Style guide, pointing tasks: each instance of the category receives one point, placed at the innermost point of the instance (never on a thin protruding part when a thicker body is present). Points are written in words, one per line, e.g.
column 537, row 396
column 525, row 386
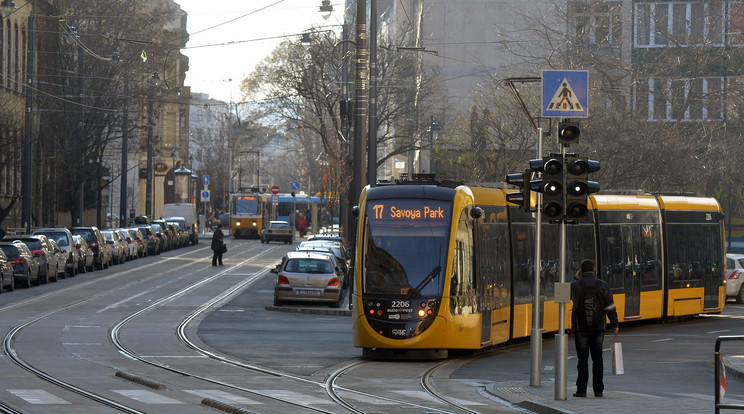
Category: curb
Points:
column 314, row 311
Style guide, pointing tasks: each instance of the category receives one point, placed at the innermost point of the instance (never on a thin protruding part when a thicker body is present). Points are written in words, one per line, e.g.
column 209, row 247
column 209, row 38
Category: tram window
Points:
column 694, row 253
column 650, row 259
column 492, row 250
column 612, row 255
column 522, row 254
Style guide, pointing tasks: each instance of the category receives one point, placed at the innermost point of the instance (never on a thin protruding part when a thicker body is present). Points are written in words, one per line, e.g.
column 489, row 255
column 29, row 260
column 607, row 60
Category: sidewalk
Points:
column 623, row 394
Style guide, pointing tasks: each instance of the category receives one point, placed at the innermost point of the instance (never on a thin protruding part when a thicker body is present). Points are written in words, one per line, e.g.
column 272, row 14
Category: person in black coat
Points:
column 589, row 340
column 217, row 246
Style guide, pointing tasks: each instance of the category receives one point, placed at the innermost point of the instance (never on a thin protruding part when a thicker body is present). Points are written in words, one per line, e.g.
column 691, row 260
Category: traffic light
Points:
column 578, row 186
column 551, row 185
column 568, row 132
column 522, row 198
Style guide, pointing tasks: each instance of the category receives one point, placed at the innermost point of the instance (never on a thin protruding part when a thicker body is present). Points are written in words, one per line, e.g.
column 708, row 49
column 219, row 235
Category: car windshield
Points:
column 279, row 225
column 404, row 241
column 308, row 266
column 57, row 236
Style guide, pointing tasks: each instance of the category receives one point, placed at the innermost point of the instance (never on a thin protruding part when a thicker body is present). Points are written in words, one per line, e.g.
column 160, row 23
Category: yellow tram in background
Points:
column 451, row 266
column 250, row 212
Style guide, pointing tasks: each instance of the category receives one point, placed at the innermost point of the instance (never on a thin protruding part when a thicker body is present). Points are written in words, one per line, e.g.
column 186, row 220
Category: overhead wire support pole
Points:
column 536, row 337
column 372, row 133
column 29, row 125
column 360, row 112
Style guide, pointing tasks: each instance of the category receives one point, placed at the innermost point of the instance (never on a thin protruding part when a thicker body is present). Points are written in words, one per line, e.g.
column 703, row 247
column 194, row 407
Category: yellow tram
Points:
column 250, row 213
column 451, row 266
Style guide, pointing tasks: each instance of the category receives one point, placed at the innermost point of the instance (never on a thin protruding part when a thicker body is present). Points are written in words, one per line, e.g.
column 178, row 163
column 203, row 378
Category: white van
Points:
column 185, row 212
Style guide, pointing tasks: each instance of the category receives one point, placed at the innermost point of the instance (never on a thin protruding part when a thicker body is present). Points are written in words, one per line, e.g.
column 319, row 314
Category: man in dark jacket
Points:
column 589, row 340
column 217, row 243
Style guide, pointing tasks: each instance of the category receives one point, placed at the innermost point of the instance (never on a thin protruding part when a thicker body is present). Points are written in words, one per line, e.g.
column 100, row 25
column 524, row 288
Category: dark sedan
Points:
column 25, row 266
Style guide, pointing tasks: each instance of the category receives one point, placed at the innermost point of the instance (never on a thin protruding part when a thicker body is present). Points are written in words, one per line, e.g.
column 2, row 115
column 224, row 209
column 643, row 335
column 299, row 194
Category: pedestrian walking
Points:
column 218, row 246
column 301, row 224
column 592, row 304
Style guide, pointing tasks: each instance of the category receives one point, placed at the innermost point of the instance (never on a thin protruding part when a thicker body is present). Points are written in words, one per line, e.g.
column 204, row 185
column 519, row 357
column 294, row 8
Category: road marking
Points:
column 663, row 340
column 426, row 396
column 222, row 396
column 296, row 397
column 116, row 305
column 147, row 397
column 37, row 397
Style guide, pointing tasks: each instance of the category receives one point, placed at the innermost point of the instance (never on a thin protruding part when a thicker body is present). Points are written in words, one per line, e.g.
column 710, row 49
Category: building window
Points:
column 600, row 24
column 682, row 23
column 661, row 99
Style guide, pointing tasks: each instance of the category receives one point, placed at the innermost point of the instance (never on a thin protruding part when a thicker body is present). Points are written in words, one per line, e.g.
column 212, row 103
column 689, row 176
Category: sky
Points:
column 255, row 26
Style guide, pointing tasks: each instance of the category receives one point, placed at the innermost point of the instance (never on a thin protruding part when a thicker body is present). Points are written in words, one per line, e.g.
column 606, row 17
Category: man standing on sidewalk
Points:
column 592, row 303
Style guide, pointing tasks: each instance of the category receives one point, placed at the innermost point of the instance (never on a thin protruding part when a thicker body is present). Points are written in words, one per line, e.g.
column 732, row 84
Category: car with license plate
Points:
column 308, row 277
column 138, row 238
column 334, row 249
column 7, row 274
column 97, row 244
column 42, row 251
column 87, row 256
column 151, row 240
column 119, row 249
column 60, row 258
column 63, row 237
column 130, row 243
column 25, row 266
column 735, row 276
column 278, row 231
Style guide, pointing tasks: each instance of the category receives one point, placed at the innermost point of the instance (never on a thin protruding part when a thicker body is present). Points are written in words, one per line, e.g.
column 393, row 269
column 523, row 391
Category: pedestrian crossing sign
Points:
column 565, row 93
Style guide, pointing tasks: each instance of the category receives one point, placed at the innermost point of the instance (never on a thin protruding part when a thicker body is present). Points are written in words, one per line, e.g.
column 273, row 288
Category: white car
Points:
column 734, row 276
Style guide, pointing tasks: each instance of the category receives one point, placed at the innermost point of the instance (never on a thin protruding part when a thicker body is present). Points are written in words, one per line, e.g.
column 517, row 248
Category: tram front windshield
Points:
column 245, row 205
column 405, row 247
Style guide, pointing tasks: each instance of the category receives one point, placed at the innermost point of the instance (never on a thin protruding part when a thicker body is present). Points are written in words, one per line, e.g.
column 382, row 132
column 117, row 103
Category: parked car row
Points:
column 48, row 254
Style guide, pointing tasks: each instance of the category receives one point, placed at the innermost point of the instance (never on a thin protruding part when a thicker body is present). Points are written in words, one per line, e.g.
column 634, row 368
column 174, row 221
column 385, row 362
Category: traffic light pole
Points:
column 536, row 337
column 561, row 339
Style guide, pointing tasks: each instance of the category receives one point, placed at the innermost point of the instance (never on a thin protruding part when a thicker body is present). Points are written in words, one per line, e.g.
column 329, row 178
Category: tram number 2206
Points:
column 400, row 304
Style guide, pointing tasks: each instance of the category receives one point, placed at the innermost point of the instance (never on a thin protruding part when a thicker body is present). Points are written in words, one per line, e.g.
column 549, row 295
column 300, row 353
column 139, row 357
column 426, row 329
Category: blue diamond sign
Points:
column 565, row 93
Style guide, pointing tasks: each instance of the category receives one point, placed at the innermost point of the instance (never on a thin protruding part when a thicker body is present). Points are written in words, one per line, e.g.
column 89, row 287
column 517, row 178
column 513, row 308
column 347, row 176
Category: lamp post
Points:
column 154, row 81
column 29, row 124
column 173, row 169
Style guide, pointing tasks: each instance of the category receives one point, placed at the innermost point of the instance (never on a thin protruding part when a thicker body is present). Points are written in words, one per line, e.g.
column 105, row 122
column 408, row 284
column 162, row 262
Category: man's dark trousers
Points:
column 589, row 342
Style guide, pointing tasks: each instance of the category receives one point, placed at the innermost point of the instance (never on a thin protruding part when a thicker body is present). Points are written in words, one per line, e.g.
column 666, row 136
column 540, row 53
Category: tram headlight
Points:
column 254, row 224
column 421, row 313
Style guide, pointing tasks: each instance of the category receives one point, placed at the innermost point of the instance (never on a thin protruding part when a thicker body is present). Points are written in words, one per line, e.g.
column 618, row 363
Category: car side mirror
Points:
column 275, row 270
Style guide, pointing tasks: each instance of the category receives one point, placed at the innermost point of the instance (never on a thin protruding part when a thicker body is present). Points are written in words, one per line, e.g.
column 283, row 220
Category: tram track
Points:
column 336, row 393
column 14, row 356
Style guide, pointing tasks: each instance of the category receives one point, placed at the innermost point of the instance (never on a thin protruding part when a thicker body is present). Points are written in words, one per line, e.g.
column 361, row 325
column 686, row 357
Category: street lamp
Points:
column 173, row 169
column 29, row 124
column 154, row 81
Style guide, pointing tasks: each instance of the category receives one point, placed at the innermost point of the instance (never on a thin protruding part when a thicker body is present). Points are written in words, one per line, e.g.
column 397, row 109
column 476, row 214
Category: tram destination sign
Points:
column 397, row 212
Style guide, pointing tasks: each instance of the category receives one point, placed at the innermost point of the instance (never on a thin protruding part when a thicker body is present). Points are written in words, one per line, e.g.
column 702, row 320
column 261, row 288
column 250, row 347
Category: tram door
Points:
column 621, row 264
column 632, row 275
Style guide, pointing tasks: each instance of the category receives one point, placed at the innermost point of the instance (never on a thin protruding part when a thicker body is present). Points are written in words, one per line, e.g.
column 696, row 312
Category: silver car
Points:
column 63, row 237
column 87, row 256
column 60, row 257
column 119, row 247
column 308, row 277
column 735, row 276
